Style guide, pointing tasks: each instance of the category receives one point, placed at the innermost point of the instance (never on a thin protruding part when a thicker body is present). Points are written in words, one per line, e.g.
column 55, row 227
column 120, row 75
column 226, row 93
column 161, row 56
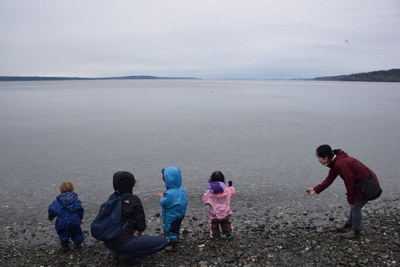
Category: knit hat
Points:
column 216, row 187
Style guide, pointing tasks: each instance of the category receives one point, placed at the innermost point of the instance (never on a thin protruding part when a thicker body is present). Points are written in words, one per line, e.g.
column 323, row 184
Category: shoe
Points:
column 78, row 249
column 229, row 237
column 215, row 238
column 344, row 229
column 352, row 234
column 172, row 248
column 124, row 259
column 65, row 249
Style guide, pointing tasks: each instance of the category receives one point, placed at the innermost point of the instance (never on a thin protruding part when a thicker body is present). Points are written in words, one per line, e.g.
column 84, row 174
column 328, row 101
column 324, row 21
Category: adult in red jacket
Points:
column 352, row 171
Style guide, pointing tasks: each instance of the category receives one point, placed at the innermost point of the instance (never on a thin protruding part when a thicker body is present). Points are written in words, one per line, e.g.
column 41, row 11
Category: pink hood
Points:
column 219, row 204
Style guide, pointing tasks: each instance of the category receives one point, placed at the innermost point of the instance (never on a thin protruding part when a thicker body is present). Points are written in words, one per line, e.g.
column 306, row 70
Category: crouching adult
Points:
column 132, row 244
column 361, row 185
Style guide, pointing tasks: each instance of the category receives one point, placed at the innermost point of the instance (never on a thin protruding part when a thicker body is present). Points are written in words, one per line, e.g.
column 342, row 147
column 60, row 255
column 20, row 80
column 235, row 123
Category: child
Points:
column 218, row 198
column 69, row 212
column 173, row 203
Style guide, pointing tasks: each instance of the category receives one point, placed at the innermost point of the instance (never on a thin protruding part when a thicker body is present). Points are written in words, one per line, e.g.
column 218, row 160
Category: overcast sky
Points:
column 202, row 38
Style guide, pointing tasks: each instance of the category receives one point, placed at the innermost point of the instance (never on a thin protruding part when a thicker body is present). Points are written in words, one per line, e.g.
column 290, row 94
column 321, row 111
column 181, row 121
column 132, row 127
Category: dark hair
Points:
column 217, row 177
column 325, row 151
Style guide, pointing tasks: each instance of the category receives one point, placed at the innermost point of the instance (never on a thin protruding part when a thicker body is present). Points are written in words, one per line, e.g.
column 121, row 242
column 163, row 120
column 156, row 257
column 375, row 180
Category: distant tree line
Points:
column 392, row 75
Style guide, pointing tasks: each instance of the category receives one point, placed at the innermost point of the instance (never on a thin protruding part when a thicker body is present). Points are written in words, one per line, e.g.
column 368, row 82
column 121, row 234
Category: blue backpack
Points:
column 107, row 225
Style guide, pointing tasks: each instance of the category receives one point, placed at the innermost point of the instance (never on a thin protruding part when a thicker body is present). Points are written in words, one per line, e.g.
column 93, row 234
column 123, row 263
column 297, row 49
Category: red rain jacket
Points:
column 351, row 171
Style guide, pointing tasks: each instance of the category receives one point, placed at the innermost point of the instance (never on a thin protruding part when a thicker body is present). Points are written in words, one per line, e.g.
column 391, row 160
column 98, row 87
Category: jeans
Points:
column 72, row 231
column 141, row 246
column 355, row 216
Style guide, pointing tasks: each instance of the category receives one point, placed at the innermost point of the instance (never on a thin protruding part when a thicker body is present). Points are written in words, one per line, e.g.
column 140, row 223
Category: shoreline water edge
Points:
column 263, row 237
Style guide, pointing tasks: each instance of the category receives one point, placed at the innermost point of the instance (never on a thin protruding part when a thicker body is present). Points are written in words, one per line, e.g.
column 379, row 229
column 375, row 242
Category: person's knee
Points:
column 162, row 243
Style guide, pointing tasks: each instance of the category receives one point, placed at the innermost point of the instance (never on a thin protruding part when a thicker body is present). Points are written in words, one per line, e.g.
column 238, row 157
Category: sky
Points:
column 211, row 39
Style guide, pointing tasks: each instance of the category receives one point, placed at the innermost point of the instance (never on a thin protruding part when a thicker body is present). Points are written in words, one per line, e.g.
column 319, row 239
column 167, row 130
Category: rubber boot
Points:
column 344, row 229
column 172, row 247
column 352, row 234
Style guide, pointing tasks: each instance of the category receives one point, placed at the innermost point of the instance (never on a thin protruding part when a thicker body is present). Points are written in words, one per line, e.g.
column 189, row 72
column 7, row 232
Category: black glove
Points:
column 230, row 183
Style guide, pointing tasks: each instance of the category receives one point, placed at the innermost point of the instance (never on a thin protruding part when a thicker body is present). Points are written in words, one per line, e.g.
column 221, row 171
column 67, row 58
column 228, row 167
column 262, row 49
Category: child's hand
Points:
column 82, row 221
column 230, row 183
column 140, row 233
column 160, row 194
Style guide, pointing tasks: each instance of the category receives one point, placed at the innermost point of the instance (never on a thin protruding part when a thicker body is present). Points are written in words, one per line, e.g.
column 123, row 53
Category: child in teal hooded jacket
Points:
column 173, row 203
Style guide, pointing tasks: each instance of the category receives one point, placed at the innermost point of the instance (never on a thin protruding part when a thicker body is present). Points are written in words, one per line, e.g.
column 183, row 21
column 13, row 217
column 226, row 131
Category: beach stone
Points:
column 253, row 258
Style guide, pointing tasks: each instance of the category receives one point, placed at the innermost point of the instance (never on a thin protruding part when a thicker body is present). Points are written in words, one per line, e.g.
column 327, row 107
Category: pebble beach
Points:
column 266, row 237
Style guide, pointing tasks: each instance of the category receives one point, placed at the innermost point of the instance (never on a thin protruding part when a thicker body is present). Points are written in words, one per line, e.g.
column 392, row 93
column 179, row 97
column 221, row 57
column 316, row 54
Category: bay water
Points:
column 261, row 134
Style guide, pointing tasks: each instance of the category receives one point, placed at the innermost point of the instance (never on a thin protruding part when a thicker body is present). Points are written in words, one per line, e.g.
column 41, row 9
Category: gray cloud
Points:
column 208, row 38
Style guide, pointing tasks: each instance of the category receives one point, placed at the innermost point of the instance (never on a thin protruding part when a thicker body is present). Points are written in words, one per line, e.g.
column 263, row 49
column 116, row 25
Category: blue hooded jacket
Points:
column 174, row 202
column 68, row 210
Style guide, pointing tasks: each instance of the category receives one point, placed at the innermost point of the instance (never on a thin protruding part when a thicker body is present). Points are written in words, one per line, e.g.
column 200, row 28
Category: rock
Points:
column 185, row 231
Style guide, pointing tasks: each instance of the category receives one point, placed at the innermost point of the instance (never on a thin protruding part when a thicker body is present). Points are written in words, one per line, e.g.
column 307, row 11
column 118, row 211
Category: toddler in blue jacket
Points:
column 173, row 202
column 69, row 212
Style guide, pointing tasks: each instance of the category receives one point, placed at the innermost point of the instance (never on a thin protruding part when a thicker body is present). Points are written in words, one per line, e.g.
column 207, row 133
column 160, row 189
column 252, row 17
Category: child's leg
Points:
column 76, row 235
column 174, row 230
column 215, row 232
column 226, row 226
column 63, row 234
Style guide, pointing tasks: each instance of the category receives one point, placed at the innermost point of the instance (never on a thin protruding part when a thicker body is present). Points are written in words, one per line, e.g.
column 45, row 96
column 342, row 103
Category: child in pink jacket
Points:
column 218, row 198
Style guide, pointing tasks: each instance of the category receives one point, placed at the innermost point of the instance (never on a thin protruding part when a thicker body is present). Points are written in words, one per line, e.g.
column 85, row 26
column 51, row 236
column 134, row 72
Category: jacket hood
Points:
column 69, row 200
column 216, row 187
column 172, row 177
column 340, row 154
column 123, row 182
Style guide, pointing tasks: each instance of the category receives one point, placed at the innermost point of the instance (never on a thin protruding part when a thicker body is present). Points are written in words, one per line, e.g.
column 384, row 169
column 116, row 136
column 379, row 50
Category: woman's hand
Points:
column 311, row 191
column 160, row 194
column 140, row 233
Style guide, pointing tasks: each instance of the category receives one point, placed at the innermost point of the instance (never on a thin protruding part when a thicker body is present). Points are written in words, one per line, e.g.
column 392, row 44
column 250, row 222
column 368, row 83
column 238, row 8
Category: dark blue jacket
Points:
column 68, row 210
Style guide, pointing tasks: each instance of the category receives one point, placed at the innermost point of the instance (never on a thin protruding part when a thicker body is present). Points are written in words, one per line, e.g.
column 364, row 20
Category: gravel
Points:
column 268, row 237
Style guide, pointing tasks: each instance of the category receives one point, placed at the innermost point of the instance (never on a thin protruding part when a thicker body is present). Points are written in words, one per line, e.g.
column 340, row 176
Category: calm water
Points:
column 261, row 134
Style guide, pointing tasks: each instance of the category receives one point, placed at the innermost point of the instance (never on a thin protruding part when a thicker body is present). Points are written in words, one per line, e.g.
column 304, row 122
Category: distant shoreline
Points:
column 44, row 78
column 392, row 75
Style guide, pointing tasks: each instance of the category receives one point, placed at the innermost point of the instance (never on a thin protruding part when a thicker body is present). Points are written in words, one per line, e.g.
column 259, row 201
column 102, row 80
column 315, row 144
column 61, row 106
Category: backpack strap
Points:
column 122, row 196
